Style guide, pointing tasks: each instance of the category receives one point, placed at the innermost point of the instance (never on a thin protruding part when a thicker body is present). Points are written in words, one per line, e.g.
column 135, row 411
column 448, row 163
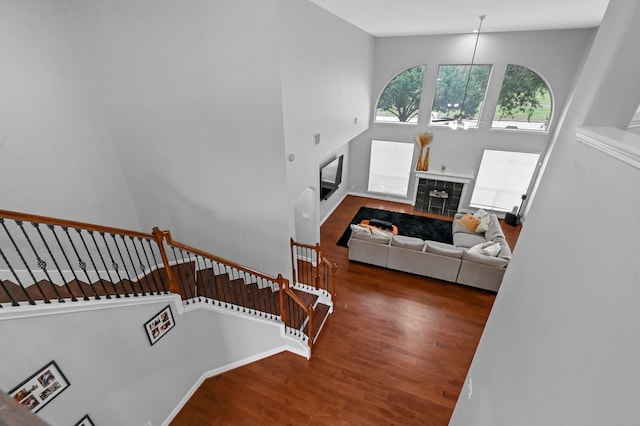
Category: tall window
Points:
column 390, row 167
column 450, row 100
column 524, row 102
column 502, row 179
column 400, row 100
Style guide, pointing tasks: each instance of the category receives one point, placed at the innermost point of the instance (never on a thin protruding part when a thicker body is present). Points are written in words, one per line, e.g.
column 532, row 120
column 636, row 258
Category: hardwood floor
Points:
column 395, row 351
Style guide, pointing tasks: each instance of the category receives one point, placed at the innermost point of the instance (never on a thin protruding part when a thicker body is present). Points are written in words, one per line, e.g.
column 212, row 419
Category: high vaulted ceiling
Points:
column 384, row 18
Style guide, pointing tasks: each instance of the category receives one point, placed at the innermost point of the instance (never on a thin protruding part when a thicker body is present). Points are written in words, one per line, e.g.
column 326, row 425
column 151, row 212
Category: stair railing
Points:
column 312, row 268
column 46, row 259
column 207, row 278
column 211, row 279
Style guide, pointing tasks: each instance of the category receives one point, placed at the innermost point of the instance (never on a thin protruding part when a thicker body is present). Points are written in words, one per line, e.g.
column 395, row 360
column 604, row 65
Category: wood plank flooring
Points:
column 394, row 352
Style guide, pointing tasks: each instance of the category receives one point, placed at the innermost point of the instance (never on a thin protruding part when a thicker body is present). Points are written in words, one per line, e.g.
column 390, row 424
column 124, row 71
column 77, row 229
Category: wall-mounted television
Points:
column 330, row 177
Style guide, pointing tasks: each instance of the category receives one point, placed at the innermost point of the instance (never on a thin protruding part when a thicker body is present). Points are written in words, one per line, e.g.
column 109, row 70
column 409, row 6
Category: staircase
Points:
column 45, row 260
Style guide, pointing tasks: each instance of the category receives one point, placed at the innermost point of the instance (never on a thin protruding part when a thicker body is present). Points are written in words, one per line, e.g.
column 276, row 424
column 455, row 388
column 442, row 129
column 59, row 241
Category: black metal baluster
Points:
column 199, row 282
column 35, row 281
column 155, row 260
column 84, row 243
column 143, row 268
column 124, row 264
column 248, row 285
column 73, row 272
column 187, row 262
column 142, row 292
column 212, row 281
column 187, row 297
column 95, row 243
column 115, row 267
column 153, row 276
column 14, row 302
column 40, row 263
column 55, row 262
column 81, row 264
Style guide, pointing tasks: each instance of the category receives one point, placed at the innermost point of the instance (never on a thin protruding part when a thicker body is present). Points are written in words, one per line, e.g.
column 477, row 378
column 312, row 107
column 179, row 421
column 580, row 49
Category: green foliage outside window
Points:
column 449, row 96
column 524, row 97
column 401, row 97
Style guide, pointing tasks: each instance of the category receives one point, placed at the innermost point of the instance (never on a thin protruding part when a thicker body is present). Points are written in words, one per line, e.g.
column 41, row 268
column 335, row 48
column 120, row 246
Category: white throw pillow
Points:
column 483, row 226
column 491, row 250
column 480, row 213
column 480, row 246
column 358, row 228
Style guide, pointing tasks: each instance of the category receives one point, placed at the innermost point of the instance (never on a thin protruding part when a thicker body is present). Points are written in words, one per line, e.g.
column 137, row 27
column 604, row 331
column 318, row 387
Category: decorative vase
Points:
column 425, row 164
column 419, row 163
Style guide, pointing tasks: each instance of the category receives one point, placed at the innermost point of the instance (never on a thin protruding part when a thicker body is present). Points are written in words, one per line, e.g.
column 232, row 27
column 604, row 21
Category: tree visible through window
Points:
column 524, row 102
column 400, row 100
column 450, row 99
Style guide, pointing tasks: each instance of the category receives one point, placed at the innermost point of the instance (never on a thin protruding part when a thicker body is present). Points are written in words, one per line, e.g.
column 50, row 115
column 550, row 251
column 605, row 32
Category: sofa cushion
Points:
column 467, row 240
column 494, row 230
column 469, row 221
column 373, row 238
column 410, row 243
column 443, row 249
column 498, row 262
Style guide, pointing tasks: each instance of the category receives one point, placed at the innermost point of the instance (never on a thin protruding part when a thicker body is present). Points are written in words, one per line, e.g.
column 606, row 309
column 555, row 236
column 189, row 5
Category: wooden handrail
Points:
column 308, row 309
column 71, row 224
column 170, row 241
column 334, row 267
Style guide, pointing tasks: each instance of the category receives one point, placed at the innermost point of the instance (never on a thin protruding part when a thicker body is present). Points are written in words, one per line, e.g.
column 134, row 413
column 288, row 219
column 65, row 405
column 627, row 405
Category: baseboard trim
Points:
column 215, row 372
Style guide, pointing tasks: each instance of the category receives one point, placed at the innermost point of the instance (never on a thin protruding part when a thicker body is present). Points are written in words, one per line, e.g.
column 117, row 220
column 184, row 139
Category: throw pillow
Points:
column 483, row 226
column 359, row 228
column 476, row 249
column 491, row 250
column 480, row 213
column 469, row 221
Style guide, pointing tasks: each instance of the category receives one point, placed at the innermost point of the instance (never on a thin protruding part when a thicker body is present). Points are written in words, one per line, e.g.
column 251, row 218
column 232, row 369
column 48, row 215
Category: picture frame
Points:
column 85, row 421
column 159, row 325
column 40, row 388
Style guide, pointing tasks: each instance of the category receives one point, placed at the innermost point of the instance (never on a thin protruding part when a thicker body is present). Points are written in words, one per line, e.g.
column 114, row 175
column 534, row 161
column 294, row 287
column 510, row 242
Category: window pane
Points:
column 450, row 99
column 502, row 179
column 525, row 101
column 400, row 100
column 389, row 167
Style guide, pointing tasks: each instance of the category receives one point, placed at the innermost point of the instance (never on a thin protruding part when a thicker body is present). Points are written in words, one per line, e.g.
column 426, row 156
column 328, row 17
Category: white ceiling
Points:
column 383, row 18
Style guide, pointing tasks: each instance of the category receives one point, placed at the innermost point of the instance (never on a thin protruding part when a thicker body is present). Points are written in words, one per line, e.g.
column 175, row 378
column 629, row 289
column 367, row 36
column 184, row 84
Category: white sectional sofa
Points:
column 477, row 259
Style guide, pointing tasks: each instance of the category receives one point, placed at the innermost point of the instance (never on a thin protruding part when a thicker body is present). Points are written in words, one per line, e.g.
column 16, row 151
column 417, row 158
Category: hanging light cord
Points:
column 473, row 57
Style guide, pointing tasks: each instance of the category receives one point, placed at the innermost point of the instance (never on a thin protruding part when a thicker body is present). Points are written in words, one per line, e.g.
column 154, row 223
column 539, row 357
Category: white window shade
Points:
column 390, row 167
column 502, row 179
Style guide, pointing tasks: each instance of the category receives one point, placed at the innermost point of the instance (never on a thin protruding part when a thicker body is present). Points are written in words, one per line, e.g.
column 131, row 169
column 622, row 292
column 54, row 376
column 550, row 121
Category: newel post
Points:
column 158, row 235
column 282, row 283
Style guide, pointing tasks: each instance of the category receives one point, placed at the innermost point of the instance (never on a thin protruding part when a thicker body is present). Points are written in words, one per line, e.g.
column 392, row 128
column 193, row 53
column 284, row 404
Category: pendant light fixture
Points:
column 458, row 121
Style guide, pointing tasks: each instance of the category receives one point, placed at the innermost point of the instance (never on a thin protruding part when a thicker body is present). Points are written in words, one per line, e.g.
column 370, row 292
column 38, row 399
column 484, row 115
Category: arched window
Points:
column 400, row 100
column 459, row 92
column 524, row 103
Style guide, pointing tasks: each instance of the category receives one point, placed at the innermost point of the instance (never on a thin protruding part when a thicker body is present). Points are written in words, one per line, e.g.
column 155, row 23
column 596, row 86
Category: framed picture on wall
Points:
column 41, row 388
column 85, row 421
column 159, row 325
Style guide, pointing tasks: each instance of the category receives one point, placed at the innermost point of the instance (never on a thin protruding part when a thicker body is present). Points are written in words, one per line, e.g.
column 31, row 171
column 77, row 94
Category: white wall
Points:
column 560, row 344
column 56, row 148
column 327, row 73
column 192, row 92
column 554, row 55
column 115, row 375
